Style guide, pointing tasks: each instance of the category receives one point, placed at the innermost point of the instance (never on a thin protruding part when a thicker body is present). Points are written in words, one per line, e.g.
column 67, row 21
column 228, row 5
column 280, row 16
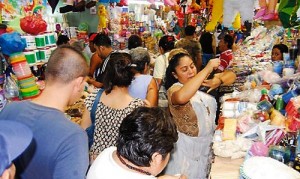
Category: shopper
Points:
column 102, row 44
column 166, row 44
column 95, row 60
column 191, row 45
column 14, row 139
column 193, row 112
column 146, row 139
column 60, row 147
column 277, row 52
column 208, row 45
column 114, row 105
column 134, row 41
column 225, row 48
column 62, row 40
column 143, row 85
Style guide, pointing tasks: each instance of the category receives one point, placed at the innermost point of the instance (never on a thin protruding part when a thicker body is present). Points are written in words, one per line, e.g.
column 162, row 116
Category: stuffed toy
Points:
column 102, row 17
column 266, row 11
column 217, row 13
column 231, row 8
column 287, row 12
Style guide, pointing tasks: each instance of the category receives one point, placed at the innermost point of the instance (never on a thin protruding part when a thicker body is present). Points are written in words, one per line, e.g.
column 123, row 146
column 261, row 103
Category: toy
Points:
column 102, row 17
column 244, row 7
column 217, row 13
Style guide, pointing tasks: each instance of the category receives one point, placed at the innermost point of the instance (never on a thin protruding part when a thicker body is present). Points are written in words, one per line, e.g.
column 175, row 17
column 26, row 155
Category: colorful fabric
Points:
column 287, row 12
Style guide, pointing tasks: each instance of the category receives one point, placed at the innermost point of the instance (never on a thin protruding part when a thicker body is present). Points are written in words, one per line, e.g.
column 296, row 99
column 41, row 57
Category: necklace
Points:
column 131, row 167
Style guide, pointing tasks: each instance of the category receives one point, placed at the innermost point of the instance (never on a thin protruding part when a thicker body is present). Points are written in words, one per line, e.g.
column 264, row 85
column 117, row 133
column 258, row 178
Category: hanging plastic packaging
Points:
column 11, row 89
column 33, row 24
column 12, row 43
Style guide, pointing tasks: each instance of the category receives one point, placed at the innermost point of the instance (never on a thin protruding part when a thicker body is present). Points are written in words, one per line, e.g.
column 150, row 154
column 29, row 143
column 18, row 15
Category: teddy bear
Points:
column 217, row 13
column 102, row 17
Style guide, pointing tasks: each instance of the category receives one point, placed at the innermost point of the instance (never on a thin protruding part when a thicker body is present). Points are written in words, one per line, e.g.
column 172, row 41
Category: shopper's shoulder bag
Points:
column 90, row 130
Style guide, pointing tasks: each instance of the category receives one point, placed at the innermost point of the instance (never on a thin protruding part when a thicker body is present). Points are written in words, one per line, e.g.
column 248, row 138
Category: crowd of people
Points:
column 146, row 125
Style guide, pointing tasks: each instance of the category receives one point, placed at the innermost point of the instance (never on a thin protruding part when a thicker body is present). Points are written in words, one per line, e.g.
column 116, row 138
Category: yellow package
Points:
column 229, row 130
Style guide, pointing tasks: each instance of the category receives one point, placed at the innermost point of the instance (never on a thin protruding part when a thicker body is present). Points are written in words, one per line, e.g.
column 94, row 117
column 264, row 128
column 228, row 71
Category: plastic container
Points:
column 21, row 69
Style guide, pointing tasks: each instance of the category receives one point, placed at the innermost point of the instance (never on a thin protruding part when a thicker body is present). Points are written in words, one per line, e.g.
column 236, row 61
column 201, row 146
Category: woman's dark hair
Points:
column 282, row 48
column 118, row 71
column 173, row 63
column 62, row 39
column 167, row 42
column 134, row 41
column 139, row 57
column 144, row 132
column 206, row 40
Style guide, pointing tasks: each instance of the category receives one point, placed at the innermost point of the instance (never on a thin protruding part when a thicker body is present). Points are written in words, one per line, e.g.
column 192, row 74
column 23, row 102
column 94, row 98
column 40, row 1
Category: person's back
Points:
column 143, row 86
column 139, row 86
column 54, row 137
column 59, row 148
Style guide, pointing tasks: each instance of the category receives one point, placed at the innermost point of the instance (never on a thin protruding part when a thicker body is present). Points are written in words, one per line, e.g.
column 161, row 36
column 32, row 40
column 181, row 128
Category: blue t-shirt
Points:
column 59, row 148
column 139, row 86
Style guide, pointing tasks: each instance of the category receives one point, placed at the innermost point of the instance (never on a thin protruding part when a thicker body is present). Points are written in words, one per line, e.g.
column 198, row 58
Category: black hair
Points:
column 62, row 39
column 134, row 41
column 118, row 71
column 189, row 30
column 167, row 42
column 173, row 63
column 229, row 40
column 206, row 40
column 282, row 48
column 65, row 64
column 102, row 40
column 144, row 132
column 139, row 57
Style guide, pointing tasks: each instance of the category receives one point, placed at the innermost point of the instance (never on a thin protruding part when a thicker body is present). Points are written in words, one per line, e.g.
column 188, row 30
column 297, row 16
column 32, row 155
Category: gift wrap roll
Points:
column 30, row 57
column 30, row 42
column 40, row 41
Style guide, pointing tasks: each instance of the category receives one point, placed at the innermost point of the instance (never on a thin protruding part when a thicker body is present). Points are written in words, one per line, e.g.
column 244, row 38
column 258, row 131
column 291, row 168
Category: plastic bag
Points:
column 259, row 149
column 33, row 24
column 11, row 89
column 11, row 43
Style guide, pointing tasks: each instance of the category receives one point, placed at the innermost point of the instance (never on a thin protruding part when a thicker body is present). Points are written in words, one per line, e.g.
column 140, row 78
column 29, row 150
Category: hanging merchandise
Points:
column 102, row 18
column 53, row 4
column 245, row 8
column 11, row 89
column 11, row 43
column 33, row 24
column 216, row 17
column 287, row 12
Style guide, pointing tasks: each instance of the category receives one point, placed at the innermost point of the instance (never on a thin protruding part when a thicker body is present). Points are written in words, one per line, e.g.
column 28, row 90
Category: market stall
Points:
column 259, row 113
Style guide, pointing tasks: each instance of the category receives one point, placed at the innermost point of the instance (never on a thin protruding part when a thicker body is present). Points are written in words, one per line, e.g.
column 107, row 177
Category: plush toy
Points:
column 102, row 17
column 217, row 13
column 231, row 8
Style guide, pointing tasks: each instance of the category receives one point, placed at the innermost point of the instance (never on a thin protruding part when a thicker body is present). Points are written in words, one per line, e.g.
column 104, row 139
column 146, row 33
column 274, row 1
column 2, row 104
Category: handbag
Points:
column 90, row 130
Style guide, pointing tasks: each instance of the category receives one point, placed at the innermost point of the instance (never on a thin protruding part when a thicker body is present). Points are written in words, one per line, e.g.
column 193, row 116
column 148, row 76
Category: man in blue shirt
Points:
column 59, row 148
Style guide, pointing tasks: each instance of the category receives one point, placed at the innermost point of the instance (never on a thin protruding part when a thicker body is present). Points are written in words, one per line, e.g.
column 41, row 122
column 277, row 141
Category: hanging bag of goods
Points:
column 33, row 24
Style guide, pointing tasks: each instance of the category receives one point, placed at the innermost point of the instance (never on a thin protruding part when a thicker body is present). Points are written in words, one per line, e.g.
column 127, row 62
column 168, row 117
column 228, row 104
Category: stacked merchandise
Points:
column 28, row 87
column 39, row 47
column 261, row 117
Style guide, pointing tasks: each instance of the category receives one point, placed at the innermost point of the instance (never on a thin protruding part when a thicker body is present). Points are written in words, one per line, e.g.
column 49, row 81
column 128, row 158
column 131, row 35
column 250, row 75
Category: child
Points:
column 277, row 52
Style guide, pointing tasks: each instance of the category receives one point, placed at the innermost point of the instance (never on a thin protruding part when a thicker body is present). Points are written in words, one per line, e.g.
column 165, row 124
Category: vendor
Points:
column 277, row 52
